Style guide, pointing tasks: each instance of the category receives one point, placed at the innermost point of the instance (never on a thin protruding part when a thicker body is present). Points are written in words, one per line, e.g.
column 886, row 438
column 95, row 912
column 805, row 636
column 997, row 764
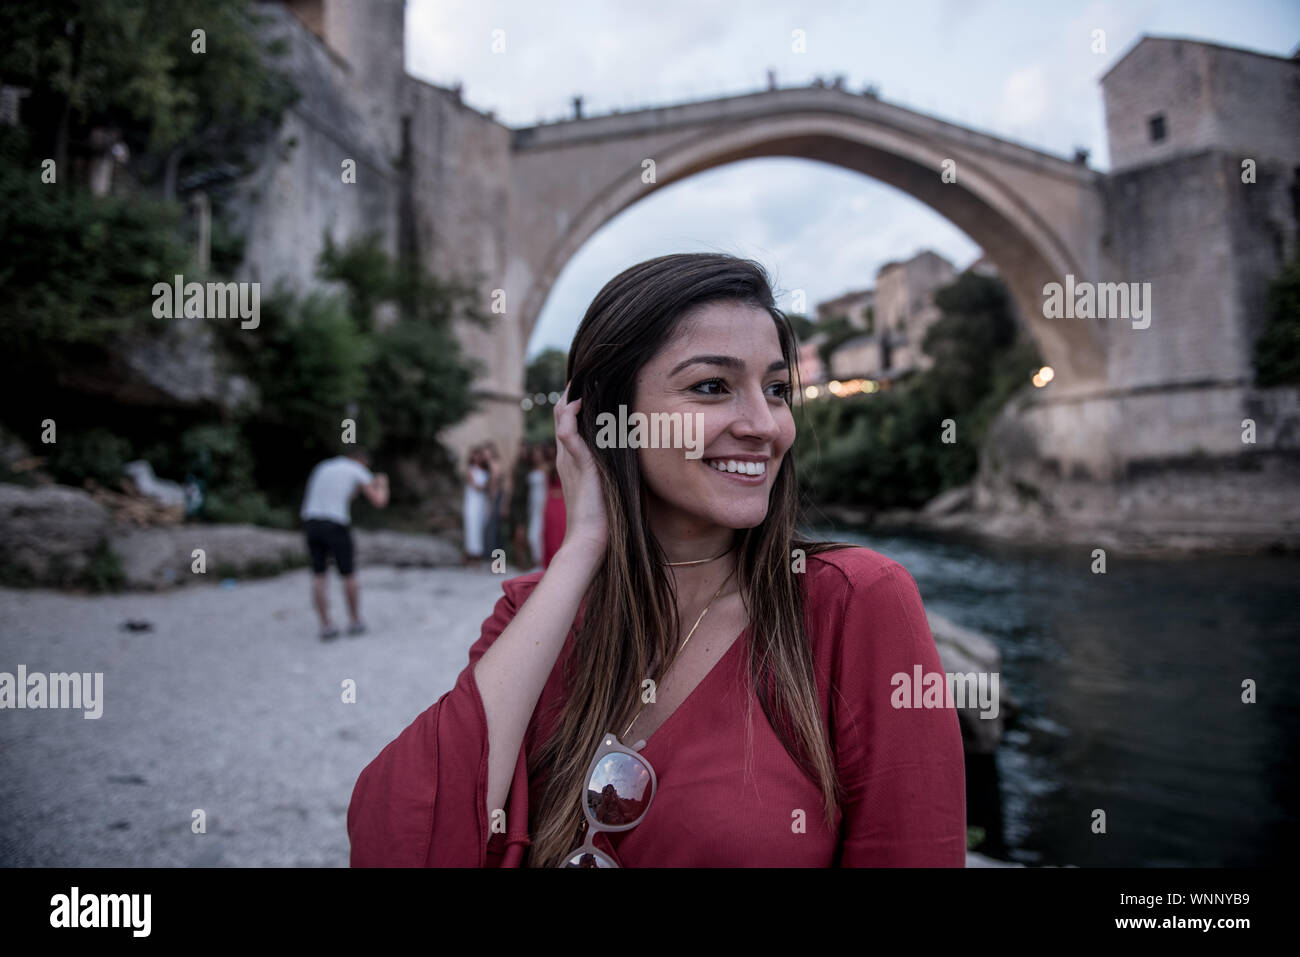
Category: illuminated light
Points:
column 1047, row 374
column 553, row 398
column 539, row 399
column 812, row 392
column 1038, row 381
column 835, row 386
column 525, row 403
column 873, row 385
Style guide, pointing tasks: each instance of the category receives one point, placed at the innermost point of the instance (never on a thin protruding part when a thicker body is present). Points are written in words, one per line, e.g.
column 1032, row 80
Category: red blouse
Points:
column 423, row 800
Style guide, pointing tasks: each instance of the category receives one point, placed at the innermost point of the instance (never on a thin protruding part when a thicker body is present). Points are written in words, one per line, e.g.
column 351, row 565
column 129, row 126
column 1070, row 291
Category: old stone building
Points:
column 855, row 306
column 903, row 306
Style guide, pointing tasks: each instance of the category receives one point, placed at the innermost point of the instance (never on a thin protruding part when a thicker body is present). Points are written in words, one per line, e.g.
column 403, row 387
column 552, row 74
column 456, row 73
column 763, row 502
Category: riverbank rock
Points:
column 49, row 534
column 164, row 556
column 954, row 500
column 975, row 859
column 404, row 549
column 963, row 651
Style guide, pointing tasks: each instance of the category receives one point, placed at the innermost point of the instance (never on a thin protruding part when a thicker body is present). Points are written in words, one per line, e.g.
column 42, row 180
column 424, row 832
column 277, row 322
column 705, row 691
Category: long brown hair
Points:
column 630, row 624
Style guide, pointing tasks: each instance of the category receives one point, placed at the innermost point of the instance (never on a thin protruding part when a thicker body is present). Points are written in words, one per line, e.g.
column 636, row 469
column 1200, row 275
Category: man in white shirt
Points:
column 326, row 515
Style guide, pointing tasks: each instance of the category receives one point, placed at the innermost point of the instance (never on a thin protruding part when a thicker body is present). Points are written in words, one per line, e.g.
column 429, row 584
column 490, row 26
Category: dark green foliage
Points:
column 976, row 326
column 75, row 269
column 97, row 454
column 245, row 507
column 417, row 385
column 130, row 66
column 219, row 457
column 417, row 379
column 308, row 360
column 1277, row 351
column 545, row 374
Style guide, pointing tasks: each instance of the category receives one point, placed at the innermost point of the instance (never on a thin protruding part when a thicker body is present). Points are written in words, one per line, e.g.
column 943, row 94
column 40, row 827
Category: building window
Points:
column 1157, row 127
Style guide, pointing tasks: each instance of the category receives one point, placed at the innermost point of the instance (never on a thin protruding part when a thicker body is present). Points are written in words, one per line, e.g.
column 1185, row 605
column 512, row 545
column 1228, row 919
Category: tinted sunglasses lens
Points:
column 587, row 859
column 619, row 790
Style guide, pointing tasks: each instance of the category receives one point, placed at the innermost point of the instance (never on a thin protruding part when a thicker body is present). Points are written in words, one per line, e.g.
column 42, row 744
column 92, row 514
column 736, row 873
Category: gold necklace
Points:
column 701, row 561
column 623, row 736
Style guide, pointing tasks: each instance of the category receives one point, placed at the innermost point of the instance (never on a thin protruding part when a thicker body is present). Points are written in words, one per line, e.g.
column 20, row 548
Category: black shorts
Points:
column 325, row 538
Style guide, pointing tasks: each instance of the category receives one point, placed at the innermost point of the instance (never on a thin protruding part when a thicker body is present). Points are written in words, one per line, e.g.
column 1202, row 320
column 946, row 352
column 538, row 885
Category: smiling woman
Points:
column 531, row 759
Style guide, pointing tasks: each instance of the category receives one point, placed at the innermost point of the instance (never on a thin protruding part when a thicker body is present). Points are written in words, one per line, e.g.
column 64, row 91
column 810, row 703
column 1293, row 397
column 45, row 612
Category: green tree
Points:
column 545, row 374
column 76, row 269
column 1277, row 351
column 418, row 379
column 975, row 326
column 131, row 70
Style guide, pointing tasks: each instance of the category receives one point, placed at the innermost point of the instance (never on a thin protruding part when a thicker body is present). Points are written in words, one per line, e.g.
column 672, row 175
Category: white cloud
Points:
column 1026, row 99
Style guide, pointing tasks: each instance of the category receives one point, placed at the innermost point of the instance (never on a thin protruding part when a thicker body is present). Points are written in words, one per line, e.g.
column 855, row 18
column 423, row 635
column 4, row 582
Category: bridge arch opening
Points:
column 1025, row 249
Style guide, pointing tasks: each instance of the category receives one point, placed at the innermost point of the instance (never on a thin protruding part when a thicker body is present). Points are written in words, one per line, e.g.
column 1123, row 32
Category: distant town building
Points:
column 903, row 305
column 855, row 306
column 905, row 294
column 860, row 357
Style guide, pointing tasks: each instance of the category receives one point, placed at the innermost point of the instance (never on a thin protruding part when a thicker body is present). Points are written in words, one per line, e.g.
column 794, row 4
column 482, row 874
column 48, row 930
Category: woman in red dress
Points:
column 553, row 514
column 689, row 682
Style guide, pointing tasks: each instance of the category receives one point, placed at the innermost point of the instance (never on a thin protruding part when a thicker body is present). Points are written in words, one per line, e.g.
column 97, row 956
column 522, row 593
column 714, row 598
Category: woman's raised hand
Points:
column 586, row 524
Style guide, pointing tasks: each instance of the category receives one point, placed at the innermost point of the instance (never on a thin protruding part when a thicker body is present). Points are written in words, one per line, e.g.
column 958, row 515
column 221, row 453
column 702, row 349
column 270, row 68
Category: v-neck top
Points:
column 720, row 801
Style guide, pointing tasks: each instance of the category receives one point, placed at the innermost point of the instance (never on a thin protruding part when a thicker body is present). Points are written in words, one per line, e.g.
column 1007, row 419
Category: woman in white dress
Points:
column 476, row 506
column 537, row 479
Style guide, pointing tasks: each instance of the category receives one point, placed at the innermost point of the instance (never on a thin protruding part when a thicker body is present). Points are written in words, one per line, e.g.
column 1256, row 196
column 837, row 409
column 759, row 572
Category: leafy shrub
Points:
column 1277, row 351
column 96, row 454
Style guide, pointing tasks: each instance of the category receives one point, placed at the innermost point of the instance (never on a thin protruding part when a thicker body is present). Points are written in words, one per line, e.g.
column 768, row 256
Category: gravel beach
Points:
column 229, row 703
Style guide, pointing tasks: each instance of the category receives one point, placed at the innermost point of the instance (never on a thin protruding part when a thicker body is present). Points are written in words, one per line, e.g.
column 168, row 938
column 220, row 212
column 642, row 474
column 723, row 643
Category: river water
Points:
column 1131, row 686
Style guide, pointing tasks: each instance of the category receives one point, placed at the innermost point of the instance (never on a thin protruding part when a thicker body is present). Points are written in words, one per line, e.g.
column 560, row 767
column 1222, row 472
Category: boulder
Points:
column 403, row 549
column 954, row 500
column 975, row 859
column 162, row 556
column 49, row 534
column 962, row 651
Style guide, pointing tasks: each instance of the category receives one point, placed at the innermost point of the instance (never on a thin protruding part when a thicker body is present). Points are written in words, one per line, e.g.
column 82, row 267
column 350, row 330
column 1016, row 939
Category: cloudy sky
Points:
column 1019, row 69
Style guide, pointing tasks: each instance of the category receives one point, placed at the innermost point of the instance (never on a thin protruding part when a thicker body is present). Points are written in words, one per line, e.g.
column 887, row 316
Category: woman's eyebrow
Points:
column 729, row 362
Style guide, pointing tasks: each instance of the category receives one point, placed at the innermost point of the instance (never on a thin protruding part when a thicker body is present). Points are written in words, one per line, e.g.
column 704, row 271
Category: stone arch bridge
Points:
column 1038, row 217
